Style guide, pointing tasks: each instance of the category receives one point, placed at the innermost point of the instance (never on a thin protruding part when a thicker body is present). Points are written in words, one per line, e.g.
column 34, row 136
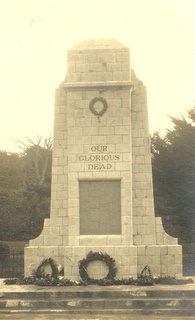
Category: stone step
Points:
column 98, row 304
column 155, row 300
column 116, row 293
column 165, row 312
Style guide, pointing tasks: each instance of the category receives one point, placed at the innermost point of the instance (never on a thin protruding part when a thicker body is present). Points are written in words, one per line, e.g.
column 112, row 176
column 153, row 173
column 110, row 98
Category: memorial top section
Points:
column 98, row 61
column 99, row 44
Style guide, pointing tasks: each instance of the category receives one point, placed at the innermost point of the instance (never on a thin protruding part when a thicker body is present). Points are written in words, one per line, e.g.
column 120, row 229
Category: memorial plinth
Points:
column 102, row 193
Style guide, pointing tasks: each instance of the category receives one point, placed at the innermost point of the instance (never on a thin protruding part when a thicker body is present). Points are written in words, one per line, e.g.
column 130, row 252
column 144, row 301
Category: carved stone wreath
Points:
column 104, row 106
column 94, row 256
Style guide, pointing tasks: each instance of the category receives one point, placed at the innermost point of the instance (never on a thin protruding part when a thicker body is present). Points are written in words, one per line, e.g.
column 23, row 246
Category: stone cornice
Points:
column 126, row 84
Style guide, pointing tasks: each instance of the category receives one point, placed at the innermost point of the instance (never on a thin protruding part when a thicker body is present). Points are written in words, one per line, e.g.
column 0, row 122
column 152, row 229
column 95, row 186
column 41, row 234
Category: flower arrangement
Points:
column 94, row 256
column 49, row 273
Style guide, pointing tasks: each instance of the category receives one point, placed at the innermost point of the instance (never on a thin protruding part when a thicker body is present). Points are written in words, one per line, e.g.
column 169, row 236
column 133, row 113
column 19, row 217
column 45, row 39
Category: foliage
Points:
column 145, row 278
column 25, row 184
column 11, row 186
column 4, row 251
column 173, row 162
column 37, row 160
column 41, row 272
column 94, row 256
column 48, row 281
column 41, row 276
column 171, row 281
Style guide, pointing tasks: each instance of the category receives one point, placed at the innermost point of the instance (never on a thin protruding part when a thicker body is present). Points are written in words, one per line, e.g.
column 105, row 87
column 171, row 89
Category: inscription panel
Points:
column 99, row 158
column 100, row 207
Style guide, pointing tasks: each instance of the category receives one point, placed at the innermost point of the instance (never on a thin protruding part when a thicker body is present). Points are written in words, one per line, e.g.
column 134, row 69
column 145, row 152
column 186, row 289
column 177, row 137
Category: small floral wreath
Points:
column 145, row 277
column 103, row 110
column 94, row 256
column 40, row 272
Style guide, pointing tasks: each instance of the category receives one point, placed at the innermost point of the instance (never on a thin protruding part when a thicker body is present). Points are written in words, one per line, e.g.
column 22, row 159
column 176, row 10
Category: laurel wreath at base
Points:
column 40, row 272
column 94, row 256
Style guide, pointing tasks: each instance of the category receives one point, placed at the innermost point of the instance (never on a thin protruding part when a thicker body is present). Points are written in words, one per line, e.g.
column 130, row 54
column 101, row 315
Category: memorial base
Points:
column 163, row 260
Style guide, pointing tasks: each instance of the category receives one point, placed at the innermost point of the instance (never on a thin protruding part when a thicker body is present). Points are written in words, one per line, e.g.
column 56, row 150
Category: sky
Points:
column 36, row 34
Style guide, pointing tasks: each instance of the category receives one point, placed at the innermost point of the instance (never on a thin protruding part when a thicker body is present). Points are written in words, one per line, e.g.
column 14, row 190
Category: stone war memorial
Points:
column 102, row 192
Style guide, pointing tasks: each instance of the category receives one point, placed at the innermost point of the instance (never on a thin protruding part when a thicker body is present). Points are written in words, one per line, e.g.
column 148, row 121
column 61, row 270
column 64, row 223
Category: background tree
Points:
column 25, row 184
column 37, row 182
column 173, row 161
column 11, row 186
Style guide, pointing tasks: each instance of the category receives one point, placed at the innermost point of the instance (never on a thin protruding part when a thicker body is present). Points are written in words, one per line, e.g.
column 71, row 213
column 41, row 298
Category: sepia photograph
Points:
column 97, row 159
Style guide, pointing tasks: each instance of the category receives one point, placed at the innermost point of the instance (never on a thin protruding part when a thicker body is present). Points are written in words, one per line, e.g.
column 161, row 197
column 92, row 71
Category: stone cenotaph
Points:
column 102, row 193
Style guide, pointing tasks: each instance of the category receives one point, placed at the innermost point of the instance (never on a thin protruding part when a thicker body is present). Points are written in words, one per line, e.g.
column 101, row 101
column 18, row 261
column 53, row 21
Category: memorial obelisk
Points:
column 102, row 193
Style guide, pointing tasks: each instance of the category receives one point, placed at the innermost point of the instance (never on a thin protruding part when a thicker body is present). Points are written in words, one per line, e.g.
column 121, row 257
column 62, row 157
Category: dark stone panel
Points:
column 100, row 207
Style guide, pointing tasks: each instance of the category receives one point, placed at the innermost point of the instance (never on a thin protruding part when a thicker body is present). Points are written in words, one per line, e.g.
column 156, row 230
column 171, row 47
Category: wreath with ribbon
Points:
column 104, row 108
column 94, row 256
